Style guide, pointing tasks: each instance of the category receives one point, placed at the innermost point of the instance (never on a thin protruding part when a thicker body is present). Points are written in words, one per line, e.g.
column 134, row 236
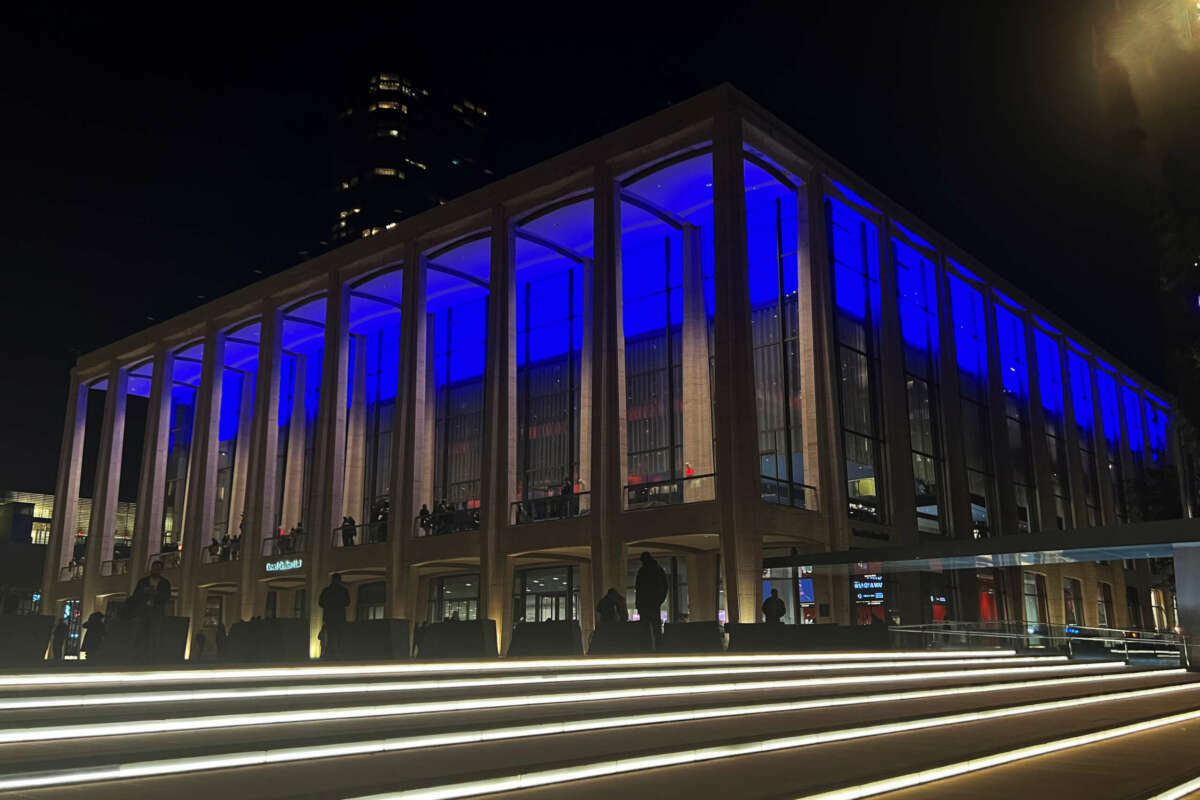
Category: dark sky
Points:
column 151, row 162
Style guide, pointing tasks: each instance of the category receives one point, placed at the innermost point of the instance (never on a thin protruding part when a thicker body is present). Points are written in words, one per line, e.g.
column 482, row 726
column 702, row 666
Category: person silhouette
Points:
column 348, row 531
column 150, row 598
column 611, row 608
column 773, row 608
column 334, row 601
column 650, row 590
column 93, row 640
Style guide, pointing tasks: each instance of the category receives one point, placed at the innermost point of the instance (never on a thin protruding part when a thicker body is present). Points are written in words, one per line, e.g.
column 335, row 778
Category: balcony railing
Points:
column 71, row 572
column 217, row 552
column 285, row 545
column 170, row 559
column 117, row 566
column 787, row 493
column 364, row 533
column 454, row 520
column 1157, row 646
column 558, row 506
column 689, row 489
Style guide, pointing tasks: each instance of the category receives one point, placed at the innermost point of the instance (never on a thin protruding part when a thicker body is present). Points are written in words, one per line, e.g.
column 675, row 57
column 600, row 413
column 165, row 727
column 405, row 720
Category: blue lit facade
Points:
column 698, row 336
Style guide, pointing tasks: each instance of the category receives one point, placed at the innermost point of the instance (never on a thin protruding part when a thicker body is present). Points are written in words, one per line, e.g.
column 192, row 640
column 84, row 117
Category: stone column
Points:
column 737, row 470
column 585, row 283
column 702, row 587
column 499, row 425
column 696, row 401
column 329, row 452
column 241, row 454
column 608, row 384
column 263, row 457
column 356, row 432
column 293, row 472
column 202, row 473
column 148, row 519
column 408, row 436
column 108, row 481
column 66, row 497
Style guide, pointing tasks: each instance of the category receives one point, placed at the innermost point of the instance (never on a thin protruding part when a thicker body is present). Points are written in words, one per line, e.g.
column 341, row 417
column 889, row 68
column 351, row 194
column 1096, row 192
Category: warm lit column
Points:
column 263, row 457
column 499, row 427
column 329, row 453
column 148, row 517
column 697, row 395
column 585, row 388
column 899, row 483
column 108, row 481
column 241, row 456
column 738, row 486
column 356, row 425
column 408, row 434
column 66, row 489
column 702, row 587
column 956, row 496
column 608, row 430
column 293, row 472
column 202, row 474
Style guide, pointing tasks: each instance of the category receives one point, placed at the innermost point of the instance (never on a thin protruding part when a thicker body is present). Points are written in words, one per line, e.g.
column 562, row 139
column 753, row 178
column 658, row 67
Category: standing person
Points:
column 773, row 608
column 58, row 640
column 566, row 492
column 650, row 590
column 93, row 640
column 150, row 599
column 334, row 601
column 347, row 532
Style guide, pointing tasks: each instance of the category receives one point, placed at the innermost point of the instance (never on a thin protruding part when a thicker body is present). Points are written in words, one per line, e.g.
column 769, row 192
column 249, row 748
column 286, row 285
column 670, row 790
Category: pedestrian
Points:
column 348, row 532
column 424, row 519
column 650, row 590
column 150, row 599
column 58, row 641
column 93, row 640
column 773, row 608
column 334, row 601
column 611, row 608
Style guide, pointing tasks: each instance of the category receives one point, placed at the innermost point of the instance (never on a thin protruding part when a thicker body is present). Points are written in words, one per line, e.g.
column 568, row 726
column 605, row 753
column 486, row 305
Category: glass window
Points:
column 453, row 598
column 854, row 263
column 1072, row 602
column 1049, row 372
column 1079, row 371
column 969, row 319
column 1110, row 417
column 546, row 593
column 1034, row 590
column 1104, row 606
column 773, row 239
column 371, row 600
column 1014, row 382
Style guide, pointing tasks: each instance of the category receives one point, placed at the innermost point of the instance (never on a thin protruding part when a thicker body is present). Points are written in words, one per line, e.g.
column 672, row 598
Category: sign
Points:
column 285, row 564
column 868, row 588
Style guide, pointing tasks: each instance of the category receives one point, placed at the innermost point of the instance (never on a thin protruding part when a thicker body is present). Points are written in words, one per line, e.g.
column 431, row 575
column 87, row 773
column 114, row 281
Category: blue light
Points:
column 961, row 270
column 916, row 284
column 1080, row 374
column 1131, row 406
column 1010, row 339
column 912, row 237
column 850, row 194
column 1006, row 299
column 231, row 405
column 1156, row 427
column 970, row 331
column 1049, row 372
column 1110, row 407
column 855, row 250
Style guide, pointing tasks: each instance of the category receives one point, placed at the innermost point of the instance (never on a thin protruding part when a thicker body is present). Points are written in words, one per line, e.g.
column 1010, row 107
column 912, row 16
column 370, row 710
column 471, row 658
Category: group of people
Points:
column 445, row 518
column 650, row 590
column 229, row 548
column 147, row 606
column 553, row 506
column 375, row 531
column 290, row 542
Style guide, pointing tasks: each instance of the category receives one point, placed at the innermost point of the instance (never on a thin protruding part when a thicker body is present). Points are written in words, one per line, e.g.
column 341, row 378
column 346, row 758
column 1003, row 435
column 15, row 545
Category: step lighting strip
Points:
column 176, row 724
column 618, row 766
column 178, row 766
column 1008, row 757
column 494, row 665
column 244, row 693
column 1179, row 792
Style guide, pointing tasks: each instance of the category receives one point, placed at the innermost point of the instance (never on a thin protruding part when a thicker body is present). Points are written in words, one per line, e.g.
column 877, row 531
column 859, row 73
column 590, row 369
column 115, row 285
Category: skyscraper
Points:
column 401, row 149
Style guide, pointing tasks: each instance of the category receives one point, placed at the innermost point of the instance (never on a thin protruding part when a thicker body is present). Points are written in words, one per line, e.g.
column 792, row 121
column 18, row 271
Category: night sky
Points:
column 151, row 162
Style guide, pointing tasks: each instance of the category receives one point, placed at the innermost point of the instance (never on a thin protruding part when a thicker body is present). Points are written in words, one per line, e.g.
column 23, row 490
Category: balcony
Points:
column 285, row 545
column 787, row 493
column 451, row 520
column 550, row 507
column 117, row 566
column 170, row 559
column 364, row 533
column 690, row 489
column 71, row 572
column 225, row 550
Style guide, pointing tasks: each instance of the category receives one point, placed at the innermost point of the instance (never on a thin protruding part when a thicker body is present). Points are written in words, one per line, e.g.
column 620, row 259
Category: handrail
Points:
column 670, row 492
column 788, row 493
column 362, row 533
column 439, row 523
column 170, row 559
column 1116, row 642
column 550, row 507
column 285, row 545
column 116, row 566
column 71, row 572
column 231, row 551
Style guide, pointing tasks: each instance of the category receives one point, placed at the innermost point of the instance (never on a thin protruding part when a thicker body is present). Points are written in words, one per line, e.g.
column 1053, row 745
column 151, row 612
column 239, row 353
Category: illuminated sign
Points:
column 868, row 588
column 285, row 564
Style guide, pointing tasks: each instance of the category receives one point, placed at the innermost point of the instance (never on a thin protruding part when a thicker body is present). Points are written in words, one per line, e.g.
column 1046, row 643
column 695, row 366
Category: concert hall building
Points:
column 698, row 336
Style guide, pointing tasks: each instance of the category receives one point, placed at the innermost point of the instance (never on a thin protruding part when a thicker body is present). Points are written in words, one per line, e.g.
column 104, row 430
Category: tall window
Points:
column 667, row 303
column 971, row 354
column 854, row 262
column 1104, row 606
column 773, row 241
column 1072, row 602
column 916, row 290
column 1158, row 607
column 1049, row 372
column 1034, row 592
column 1080, row 373
column 453, row 597
column 1157, row 423
column 1133, row 606
column 1014, row 380
column 227, row 440
column 179, row 448
column 1110, row 417
column 1131, row 411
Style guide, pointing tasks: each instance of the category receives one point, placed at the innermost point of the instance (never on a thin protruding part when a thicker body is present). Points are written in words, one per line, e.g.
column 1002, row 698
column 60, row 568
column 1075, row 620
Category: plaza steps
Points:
column 765, row 725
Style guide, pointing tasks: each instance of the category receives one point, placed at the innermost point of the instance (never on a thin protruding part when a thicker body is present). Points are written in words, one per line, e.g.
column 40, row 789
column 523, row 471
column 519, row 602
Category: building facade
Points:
column 400, row 149
column 698, row 336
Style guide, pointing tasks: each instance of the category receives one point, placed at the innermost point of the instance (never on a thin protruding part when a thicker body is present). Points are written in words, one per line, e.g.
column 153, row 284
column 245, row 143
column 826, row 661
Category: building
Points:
column 402, row 149
column 698, row 336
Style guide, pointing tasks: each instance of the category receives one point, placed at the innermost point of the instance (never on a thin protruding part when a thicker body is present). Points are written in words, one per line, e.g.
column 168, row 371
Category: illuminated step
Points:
column 1009, row 756
column 243, row 693
column 532, row 779
column 179, row 766
column 493, row 665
